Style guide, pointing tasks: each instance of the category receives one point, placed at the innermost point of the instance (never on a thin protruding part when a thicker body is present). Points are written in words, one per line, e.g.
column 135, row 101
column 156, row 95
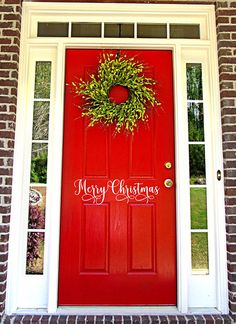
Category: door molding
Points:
column 33, row 49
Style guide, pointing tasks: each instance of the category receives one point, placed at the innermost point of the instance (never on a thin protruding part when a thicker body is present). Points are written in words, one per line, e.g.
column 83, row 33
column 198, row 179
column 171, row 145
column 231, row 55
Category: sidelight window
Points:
column 38, row 170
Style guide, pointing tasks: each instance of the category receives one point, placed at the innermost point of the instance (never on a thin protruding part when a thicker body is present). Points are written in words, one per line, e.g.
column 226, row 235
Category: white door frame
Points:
column 32, row 49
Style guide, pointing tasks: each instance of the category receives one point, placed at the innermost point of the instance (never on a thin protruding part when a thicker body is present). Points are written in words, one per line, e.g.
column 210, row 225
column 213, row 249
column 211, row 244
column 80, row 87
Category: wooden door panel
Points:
column 92, row 138
column 118, row 250
column 141, row 237
column 95, row 239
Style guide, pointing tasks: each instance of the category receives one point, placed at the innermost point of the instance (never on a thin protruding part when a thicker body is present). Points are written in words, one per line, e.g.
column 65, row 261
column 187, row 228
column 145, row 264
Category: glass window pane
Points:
column 197, row 164
column 41, row 120
column 119, row 30
column 200, row 253
column 198, row 204
column 39, row 163
column 195, row 122
column 35, row 253
column 37, row 205
column 152, row 31
column 86, row 30
column 42, row 80
column 52, row 29
column 194, row 81
column 184, row 31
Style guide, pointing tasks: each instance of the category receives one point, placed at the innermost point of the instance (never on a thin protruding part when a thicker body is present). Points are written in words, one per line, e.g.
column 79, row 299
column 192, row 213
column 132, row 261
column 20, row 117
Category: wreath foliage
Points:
column 117, row 70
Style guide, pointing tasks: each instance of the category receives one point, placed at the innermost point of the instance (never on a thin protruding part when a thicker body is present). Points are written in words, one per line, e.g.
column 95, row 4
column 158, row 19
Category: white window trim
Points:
column 33, row 48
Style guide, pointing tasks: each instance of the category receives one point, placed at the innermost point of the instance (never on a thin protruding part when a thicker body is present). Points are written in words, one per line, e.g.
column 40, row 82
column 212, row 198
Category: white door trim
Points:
column 31, row 48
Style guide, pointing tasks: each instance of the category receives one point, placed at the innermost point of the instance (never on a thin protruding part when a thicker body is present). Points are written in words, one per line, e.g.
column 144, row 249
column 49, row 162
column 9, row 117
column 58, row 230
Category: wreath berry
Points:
column 125, row 111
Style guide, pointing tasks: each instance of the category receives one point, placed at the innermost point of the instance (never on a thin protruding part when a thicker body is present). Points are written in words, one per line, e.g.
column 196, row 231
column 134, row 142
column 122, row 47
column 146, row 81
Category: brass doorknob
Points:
column 168, row 183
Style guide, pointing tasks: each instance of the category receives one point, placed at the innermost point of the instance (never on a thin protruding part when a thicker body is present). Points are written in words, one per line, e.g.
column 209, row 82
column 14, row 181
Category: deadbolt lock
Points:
column 168, row 183
column 168, row 165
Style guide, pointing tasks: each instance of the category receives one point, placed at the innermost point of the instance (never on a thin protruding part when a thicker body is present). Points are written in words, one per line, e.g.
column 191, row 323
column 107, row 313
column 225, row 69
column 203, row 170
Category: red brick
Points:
column 5, row 57
column 15, row 57
column 8, row 65
column 3, row 125
column 227, row 60
column 226, row 68
column 222, row 4
column 223, row 36
column 231, row 211
column 4, row 91
column 229, row 129
column 224, row 28
column 230, row 155
column 13, row 1
column 12, row 48
column 14, row 91
column 5, row 41
column 227, row 85
column 225, row 52
column 229, row 137
column 230, row 202
column 6, row 24
column 16, row 41
column 14, row 74
column 3, row 267
column 8, row 83
column 7, row 117
column 227, row 43
column 7, row 199
column 227, row 76
column 229, row 182
column 4, row 74
column 221, row 20
column 232, row 307
column 2, row 297
column 3, row 248
column 6, row 9
column 232, row 287
column 229, row 94
column 6, row 153
column 11, row 32
column 11, row 17
column 4, row 99
column 3, row 258
column 10, row 144
column 6, row 134
column 12, row 109
column 231, row 257
column 230, row 173
column 232, row 277
column 227, row 12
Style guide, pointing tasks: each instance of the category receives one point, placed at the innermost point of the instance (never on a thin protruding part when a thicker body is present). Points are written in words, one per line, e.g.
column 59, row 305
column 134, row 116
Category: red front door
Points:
column 118, row 241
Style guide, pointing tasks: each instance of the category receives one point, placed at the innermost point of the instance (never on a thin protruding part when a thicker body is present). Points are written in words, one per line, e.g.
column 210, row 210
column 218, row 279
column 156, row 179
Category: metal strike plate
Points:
column 168, row 165
column 168, row 183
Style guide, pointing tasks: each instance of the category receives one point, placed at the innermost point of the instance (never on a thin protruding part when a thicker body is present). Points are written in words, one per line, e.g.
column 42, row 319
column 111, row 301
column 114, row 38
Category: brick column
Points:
column 10, row 22
column 226, row 32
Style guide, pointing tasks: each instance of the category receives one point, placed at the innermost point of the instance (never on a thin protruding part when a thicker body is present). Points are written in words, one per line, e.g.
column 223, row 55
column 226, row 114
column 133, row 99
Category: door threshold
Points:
column 117, row 310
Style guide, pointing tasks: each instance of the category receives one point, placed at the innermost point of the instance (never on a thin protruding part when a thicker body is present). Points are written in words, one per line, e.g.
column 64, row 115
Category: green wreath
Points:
column 113, row 71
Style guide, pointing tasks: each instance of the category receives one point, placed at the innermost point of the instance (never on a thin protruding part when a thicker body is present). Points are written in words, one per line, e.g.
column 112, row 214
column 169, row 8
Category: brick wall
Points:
column 226, row 30
column 10, row 18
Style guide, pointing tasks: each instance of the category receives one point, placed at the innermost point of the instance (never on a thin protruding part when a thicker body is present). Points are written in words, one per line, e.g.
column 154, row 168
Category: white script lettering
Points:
column 118, row 188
